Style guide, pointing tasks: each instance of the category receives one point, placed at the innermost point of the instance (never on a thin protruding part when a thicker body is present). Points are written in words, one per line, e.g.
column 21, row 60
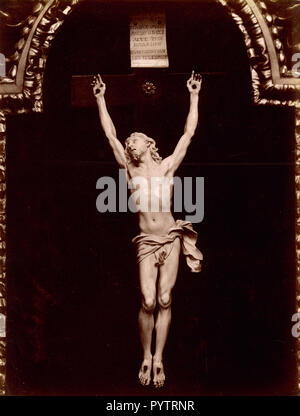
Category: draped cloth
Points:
column 161, row 245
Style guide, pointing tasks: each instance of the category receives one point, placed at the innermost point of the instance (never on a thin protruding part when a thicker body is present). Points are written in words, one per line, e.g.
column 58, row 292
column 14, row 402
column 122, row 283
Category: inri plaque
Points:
column 148, row 44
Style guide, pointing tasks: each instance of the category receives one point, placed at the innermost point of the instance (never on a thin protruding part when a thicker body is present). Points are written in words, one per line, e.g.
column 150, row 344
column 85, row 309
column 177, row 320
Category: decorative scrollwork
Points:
column 257, row 25
column 22, row 27
column 264, row 53
column 39, row 49
column 297, row 182
column 274, row 31
column 283, row 20
column 262, row 25
column 254, row 40
column 2, row 249
column 27, row 64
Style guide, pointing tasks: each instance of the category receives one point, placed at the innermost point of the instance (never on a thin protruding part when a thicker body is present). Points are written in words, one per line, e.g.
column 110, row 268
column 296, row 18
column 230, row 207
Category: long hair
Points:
column 152, row 147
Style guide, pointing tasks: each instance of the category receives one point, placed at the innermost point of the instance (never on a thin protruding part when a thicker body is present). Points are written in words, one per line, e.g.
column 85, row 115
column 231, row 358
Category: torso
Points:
column 156, row 190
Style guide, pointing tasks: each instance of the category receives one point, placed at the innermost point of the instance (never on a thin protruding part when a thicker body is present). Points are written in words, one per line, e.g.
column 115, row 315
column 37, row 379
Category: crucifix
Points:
column 161, row 238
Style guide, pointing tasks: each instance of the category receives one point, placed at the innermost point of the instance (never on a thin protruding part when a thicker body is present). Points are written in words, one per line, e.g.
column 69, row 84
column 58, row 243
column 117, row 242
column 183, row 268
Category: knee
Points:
column 165, row 300
column 148, row 305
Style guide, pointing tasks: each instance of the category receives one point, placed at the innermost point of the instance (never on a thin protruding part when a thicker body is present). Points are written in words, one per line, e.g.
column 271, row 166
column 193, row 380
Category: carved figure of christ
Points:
column 161, row 237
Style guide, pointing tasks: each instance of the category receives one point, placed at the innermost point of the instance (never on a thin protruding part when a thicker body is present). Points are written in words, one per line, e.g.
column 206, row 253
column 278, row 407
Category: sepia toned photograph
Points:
column 149, row 199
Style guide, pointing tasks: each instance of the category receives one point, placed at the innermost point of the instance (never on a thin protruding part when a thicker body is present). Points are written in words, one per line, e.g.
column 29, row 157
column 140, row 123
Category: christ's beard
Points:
column 136, row 157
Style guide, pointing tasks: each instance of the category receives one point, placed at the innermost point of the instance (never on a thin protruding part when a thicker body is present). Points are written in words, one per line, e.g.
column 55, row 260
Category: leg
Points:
column 148, row 275
column 167, row 279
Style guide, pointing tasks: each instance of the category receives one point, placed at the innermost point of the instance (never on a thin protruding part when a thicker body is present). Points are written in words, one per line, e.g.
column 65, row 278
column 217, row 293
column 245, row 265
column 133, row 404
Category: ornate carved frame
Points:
column 21, row 91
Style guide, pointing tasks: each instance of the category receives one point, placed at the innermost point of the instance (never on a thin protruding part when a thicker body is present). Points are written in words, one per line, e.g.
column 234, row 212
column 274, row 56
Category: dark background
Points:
column 73, row 293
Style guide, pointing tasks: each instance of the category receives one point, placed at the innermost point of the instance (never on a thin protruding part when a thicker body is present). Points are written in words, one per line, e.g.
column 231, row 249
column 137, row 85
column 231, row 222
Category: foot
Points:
column 145, row 371
column 158, row 373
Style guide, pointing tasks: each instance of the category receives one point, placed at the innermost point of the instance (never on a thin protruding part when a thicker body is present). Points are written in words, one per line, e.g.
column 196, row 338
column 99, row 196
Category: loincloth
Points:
column 161, row 245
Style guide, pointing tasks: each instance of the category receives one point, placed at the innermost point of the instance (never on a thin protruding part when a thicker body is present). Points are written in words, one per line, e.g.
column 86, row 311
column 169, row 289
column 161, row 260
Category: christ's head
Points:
column 137, row 144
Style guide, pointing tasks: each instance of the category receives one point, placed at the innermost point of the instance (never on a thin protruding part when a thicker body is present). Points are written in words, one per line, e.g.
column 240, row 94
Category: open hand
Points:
column 194, row 83
column 98, row 86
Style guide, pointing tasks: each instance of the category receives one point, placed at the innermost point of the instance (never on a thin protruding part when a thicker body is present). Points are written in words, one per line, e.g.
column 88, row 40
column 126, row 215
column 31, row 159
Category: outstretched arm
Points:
column 194, row 86
column 106, row 122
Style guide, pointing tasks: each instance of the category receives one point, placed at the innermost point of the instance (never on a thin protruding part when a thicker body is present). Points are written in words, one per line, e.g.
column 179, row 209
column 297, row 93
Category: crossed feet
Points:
column 158, row 372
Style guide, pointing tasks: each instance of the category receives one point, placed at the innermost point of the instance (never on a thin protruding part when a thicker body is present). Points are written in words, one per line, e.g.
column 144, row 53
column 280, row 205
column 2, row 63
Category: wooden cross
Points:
column 139, row 88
